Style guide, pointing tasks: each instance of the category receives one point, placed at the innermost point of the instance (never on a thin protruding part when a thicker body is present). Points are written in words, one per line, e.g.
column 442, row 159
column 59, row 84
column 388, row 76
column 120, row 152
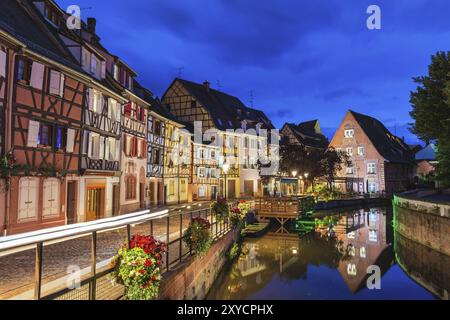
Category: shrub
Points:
column 138, row 268
column 198, row 235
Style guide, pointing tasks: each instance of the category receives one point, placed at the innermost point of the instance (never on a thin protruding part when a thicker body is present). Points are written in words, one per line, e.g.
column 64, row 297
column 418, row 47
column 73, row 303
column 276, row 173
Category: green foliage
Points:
column 220, row 208
column 234, row 251
column 198, row 235
column 138, row 268
column 431, row 110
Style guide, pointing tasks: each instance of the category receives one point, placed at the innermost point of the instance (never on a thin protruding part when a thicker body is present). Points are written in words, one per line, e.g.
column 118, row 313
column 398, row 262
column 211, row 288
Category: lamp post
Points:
column 225, row 168
column 306, row 175
column 294, row 174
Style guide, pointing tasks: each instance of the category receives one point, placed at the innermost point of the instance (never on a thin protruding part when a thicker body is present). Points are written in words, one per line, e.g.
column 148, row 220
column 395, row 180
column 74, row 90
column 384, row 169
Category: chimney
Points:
column 206, row 84
column 91, row 24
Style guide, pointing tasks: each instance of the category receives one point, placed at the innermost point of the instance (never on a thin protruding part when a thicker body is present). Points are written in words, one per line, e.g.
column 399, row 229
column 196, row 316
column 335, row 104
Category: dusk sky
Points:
column 302, row 60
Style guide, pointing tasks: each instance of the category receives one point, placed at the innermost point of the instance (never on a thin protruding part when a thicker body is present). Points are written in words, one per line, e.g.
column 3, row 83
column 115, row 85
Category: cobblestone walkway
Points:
column 17, row 270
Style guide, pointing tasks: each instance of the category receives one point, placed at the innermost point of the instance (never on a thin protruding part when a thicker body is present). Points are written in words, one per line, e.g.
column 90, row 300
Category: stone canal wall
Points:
column 193, row 278
column 427, row 267
column 425, row 222
column 345, row 203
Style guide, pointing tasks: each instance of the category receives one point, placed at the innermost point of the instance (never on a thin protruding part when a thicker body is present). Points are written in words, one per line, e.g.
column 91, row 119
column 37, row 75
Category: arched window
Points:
column 130, row 187
column 51, row 198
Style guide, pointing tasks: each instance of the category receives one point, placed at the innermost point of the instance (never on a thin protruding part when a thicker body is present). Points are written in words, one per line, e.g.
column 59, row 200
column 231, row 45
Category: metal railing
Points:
column 95, row 284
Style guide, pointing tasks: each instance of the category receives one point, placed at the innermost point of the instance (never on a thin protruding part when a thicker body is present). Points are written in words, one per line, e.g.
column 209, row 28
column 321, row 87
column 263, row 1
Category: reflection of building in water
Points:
column 362, row 236
column 248, row 264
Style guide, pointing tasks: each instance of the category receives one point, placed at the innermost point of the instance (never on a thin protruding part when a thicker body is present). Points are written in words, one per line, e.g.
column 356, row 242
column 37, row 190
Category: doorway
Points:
column 231, row 189
column 249, row 188
column 213, row 192
column 71, row 202
column 95, row 202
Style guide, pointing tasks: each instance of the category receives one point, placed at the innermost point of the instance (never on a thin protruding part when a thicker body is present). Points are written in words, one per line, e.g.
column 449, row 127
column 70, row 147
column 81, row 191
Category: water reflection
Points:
column 329, row 263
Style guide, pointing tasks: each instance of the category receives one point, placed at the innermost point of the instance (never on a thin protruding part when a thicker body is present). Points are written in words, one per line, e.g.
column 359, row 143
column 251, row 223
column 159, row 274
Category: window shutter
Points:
column 110, row 108
column 125, row 142
column 107, row 149
column 61, row 86
column 118, row 150
column 2, row 63
column 70, row 140
column 37, row 75
column 33, row 132
column 91, row 98
column 89, row 139
column 55, row 82
column 102, row 148
column 103, row 75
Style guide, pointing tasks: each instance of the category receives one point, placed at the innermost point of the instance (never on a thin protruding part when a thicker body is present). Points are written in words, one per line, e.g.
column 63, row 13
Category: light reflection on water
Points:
column 328, row 263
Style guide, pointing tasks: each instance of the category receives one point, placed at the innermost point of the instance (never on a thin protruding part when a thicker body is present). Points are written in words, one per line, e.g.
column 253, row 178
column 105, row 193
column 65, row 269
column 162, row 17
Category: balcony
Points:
column 99, row 164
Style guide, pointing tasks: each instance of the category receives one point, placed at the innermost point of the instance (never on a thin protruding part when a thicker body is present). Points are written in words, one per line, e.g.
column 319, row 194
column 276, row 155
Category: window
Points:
column 156, row 154
column 201, row 172
column 28, row 199
column 33, row 133
column 349, row 170
column 51, row 15
column 202, row 191
column 116, row 72
column 111, row 149
column 61, row 138
column 183, row 186
column 371, row 168
column 24, row 70
column 94, row 62
column 45, row 137
column 349, row 133
column 95, row 146
column 213, row 154
column 361, row 151
column 56, row 85
column 157, row 128
column 349, row 151
column 193, row 104
column 130, row 187
column 50, row 204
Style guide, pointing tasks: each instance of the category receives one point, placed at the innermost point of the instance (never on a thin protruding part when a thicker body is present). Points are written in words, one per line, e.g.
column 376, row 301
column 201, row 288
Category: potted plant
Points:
column 220, row 208
column 138, row 267
column 239, row 212
column 198, row 235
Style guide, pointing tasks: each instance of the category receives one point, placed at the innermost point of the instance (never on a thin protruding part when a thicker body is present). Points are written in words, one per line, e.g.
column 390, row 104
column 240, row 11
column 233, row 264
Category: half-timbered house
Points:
column 205, row 171
column 232, row 121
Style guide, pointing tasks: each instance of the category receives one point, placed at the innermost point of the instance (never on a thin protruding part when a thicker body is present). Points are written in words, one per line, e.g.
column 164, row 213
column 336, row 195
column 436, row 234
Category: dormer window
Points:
column 244, row 125
column 92, row 64
column 258, row 128
column 51, row 15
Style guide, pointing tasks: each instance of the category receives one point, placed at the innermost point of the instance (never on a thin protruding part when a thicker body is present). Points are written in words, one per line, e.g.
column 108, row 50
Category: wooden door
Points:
column 231, row 190
column 116, row 200
column 95, row 199
column 249, row 188
column 71, row 202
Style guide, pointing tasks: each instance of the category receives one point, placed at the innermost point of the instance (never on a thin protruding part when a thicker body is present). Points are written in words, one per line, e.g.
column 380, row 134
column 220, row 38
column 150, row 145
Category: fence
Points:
column 95, row 283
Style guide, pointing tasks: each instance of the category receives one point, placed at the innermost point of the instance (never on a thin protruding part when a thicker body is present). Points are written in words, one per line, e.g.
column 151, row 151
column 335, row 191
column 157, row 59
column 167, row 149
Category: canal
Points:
column 331, row 262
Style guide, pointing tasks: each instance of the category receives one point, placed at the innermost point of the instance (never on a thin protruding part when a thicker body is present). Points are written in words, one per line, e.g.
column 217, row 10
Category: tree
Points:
column 331, row 164
column 431, row 110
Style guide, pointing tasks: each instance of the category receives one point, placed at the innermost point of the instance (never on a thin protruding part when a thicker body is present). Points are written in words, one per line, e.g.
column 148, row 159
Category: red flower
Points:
column 148, row 263
column 141, row 271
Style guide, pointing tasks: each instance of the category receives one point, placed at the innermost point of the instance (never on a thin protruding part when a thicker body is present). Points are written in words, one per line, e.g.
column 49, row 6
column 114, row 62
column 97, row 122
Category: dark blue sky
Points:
column 301, row 59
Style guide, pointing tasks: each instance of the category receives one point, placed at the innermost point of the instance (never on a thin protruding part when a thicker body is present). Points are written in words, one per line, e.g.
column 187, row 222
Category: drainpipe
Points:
column 8, row 127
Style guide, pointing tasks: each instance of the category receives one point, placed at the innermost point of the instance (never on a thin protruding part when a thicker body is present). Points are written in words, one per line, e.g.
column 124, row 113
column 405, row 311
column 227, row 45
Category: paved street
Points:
column 17, row 270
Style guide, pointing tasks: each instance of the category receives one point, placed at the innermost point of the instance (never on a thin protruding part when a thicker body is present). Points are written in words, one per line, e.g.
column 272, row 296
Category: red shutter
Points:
column 127, row 109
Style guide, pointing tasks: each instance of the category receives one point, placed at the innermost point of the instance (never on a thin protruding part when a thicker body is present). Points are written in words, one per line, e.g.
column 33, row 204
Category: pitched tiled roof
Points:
column 391, row 147
column 226, row 111
column 305, row 134
column 427, row 153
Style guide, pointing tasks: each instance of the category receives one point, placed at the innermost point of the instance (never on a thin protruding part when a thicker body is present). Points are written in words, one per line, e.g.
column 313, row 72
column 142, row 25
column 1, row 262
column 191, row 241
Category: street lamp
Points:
column 294, row 174
column 225, row 168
